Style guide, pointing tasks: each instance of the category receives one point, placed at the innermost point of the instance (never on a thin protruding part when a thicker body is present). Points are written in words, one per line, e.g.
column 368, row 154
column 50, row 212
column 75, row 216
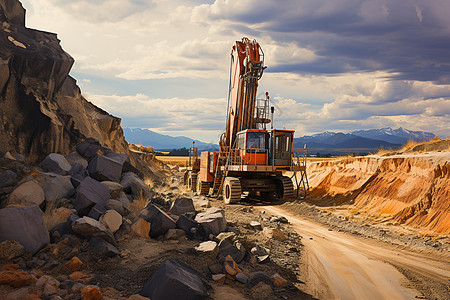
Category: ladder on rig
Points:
column 301, row 162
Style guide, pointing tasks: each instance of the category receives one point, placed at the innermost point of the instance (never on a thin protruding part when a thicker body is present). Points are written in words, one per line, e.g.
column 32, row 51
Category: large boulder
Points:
column 27, row 193
column 212, row 220
column 24, row 225
column 175, row 280
column 112, row 219
column 182, row 205
column 132, row 184
column 56, row 163
column 88, row 227
column 78, row 174
column 89, row 193
column 159, row 220
column 55, row 186
column 7, row 178
column 89, row 148
column 104, row 168
column 75, row 158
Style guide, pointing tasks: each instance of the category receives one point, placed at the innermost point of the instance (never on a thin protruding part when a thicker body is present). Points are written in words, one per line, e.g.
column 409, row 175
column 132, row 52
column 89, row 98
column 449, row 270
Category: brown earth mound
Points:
column 413, row 189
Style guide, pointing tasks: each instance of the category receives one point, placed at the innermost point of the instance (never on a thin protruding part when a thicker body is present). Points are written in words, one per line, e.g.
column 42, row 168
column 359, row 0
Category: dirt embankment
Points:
column 411, row 189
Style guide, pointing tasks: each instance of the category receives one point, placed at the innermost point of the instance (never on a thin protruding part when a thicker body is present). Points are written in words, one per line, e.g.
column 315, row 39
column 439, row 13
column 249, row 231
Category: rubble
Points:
column 212, row 220
column 88, row 227
column 181, row 206
column 159, row 220
column 56, row 163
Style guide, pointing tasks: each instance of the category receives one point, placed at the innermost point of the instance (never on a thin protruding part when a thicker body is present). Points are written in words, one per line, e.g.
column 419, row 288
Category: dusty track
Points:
column 343, row 266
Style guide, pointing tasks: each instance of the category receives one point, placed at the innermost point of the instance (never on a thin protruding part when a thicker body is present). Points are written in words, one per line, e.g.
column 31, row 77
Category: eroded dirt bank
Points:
column 409, row 190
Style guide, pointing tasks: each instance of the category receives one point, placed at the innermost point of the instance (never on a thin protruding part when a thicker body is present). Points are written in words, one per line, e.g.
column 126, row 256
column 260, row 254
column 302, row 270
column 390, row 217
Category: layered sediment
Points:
column 412, row 189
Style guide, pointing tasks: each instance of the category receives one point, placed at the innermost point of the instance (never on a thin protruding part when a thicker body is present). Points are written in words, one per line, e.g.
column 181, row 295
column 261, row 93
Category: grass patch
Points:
column 139, row 203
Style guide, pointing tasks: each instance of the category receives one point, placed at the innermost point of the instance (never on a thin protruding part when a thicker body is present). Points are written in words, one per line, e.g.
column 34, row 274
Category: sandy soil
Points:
column 338, row 265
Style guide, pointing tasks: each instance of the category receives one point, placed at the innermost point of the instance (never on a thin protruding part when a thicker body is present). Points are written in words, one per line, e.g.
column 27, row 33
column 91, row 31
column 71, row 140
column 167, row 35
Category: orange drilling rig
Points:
column 251, row 157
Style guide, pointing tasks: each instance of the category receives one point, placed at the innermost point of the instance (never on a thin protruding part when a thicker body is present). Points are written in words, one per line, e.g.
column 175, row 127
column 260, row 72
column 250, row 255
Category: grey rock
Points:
column 116, row 205
column 100, row 246
column 97, row 211
column 241, row 277
column 27, row 193
column 88, row 227
column 175, row 280
column 208, row 249
column 24, row 225
column 89, row 193
column 120, row 158
column 56, row 163
column 159, row 220
column 55, row 186
column 212, row 220
column 132, row 184
column 75, row 158
column 104, row 168
column 78, row 174
column 258, row 277
column 7, row 178
column 237, row 251
column 182, row 205
column 115, row 188
column 229, row 236
column 89, row 148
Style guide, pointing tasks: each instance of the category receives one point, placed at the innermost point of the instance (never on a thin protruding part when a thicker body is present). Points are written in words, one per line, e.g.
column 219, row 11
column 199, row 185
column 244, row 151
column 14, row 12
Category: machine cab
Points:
column 253, row 146
column 280, row 153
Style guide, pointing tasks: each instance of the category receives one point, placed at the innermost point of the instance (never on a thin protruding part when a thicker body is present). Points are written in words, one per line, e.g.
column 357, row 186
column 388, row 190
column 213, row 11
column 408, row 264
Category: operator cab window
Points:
column 257, row 141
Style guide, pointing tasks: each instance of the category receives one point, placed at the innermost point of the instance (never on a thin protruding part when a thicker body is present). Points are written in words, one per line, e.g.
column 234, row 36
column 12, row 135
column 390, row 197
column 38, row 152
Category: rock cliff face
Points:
column 41, row 107
column 412, row 189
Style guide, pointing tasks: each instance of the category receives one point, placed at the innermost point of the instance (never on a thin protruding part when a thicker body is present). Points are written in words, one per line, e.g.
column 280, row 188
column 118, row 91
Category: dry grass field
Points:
column 174, row 160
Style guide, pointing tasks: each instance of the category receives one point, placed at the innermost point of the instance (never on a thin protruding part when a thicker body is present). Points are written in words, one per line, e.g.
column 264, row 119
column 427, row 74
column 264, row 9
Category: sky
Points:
column 339, row 65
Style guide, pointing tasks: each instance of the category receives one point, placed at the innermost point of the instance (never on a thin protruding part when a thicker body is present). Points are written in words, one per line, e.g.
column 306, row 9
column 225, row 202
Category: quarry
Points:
column 86, row 215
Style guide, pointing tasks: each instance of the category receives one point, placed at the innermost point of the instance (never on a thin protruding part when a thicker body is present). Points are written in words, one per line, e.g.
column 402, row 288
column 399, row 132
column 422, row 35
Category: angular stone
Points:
column 255, row 225
column 237, row 252
column 241, row 277
column 132, row 184
column 230, row 266
column 27, row 193
column 120, row 158
column 112, row 219
column 274, row 233
column 159, row 220
column 56, row 163
column 75, row 264
column 57, row 232
column 89, row 193
column 97, row 211
column 10, row 249
column 78, row 276
column 74, row 158
column 115, row 205
column 229, row 236
column 91, row 292
column 212, row 220
column 114, row 188
column 219, row 278
column 174, row 280
column 7, row 178
column 78, row 174
column 16, row 278
column 141, row 228
column 24, row 225
column 208, row 249
column 104, row 168
column 89, row 148
column 182, row 205
column 258, row 277
column 88, row 227
column 99, row 245
column 216, row 268
column 55, row 186
column 174, row 234
column 186, row 224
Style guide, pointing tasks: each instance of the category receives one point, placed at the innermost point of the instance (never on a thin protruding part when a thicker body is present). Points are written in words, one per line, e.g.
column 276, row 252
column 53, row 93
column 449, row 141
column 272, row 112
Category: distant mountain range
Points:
column 360, row 141
column 336, row 143
column 162, row 142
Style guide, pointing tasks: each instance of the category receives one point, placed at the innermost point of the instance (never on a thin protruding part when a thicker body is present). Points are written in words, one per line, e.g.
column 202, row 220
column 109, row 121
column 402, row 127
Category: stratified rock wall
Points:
column 413, row 189
column 41, row 107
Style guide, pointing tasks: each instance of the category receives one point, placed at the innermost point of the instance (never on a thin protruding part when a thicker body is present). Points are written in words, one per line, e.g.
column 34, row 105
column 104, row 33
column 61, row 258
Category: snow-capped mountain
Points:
column 396, row 136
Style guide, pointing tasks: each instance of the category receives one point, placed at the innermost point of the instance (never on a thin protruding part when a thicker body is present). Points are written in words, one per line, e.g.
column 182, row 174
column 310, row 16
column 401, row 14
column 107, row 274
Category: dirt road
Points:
column 343, row 266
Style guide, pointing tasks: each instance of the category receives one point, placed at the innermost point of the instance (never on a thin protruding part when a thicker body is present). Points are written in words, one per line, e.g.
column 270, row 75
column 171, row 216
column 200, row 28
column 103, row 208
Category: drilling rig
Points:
column 252, row 157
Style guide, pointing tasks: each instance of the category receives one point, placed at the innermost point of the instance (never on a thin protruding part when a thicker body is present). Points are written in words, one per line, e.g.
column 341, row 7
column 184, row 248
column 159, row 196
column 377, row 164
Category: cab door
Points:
column 282, row 148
